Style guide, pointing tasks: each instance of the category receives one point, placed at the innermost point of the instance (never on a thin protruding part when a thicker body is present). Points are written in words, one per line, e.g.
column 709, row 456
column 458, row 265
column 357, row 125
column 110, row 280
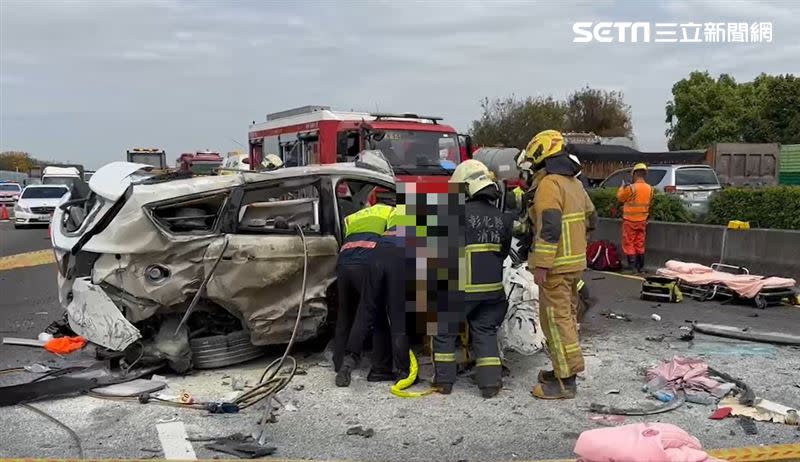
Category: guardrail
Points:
column 763, row 251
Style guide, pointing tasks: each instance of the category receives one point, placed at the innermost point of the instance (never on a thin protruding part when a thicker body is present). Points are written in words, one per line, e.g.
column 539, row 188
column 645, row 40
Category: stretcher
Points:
column 729, row 283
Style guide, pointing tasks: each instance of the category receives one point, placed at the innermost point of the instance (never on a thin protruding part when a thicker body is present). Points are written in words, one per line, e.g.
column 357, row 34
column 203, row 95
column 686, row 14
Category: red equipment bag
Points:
column 603, row 256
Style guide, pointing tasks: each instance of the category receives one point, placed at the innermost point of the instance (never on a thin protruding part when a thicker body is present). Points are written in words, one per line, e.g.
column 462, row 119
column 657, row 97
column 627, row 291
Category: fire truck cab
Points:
column 419, row 148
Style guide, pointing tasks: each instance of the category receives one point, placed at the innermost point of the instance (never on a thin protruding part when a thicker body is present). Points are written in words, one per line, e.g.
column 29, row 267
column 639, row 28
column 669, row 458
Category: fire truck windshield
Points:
column 420, row 152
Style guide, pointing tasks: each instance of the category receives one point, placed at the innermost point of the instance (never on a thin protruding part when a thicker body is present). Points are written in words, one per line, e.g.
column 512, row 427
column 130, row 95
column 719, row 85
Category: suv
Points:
column 693, row 184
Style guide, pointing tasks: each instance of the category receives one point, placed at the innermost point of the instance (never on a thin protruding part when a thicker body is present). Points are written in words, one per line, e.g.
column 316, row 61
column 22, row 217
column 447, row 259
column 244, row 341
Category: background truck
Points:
column 200, row 162
column 150, row 156
column 69, row 176
column 745, row 164
column 419, row 148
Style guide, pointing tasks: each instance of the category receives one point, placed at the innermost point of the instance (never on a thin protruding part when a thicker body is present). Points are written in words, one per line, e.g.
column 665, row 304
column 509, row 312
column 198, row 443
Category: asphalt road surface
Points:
column 316, row 415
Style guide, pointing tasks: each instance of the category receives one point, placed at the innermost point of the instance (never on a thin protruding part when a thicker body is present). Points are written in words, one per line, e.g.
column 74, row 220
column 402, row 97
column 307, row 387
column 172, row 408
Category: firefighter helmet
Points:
column 545, row 144
column 640, row 166
column 272, row 162
column 474, row 174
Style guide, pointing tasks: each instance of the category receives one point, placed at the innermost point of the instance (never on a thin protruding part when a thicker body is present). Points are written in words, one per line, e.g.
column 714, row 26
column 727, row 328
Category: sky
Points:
column 83, row 81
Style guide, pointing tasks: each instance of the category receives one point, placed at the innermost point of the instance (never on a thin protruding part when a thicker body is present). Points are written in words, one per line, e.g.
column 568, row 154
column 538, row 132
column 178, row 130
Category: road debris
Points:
column 748, row 425
column 747, row 334
column 646, row 409
column 655, row 317
column 290, row 407
column 609, row 420
column 721, row 413
column 37, row 368
column 647, row 441
column 241, row 446
column 657, row 338
column 23, row 341
column 762, row 410
column 612, row 392
column 458, row 441
column 617, row 316
column 65, row 345
column 360, row 431
column 132, row 388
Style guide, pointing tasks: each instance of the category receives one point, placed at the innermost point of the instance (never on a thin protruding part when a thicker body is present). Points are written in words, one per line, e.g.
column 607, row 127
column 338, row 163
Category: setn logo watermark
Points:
column 671, row 32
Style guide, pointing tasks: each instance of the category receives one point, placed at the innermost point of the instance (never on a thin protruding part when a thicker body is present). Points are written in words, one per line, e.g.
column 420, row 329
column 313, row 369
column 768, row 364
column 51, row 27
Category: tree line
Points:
column 702, row 111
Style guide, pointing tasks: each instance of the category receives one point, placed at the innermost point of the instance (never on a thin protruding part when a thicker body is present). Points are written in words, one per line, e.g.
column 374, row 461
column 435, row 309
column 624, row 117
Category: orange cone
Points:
column 4, row 213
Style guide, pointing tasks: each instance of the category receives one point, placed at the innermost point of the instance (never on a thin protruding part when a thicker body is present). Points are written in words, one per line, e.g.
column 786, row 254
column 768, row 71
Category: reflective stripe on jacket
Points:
column 487, row 244
column 636, row 199
column 562, row 213
column 369, row 220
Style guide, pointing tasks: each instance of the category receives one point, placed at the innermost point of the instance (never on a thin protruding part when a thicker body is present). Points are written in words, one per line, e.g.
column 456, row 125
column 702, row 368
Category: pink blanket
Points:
column 746, row 285
column 644, row 442
column 683, row 374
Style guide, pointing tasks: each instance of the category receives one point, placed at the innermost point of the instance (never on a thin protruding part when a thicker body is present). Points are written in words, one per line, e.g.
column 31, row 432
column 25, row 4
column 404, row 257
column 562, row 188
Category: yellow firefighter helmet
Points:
column 541, row 146
column 474, row 174
column 640, row 166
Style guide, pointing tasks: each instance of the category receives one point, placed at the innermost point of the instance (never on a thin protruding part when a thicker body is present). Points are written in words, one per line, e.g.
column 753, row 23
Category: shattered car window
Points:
column 281, row 208
column 195, row 215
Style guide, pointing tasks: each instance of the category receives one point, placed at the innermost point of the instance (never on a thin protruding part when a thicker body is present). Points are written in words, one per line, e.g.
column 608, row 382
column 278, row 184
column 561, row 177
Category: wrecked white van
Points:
column 132, row 255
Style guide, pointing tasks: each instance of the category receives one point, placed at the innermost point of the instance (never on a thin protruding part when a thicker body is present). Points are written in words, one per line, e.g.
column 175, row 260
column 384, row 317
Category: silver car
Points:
column 692, row 184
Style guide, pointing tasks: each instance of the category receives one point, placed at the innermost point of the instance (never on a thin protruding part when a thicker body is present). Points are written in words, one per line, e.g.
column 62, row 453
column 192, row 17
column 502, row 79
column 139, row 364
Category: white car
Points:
column 9, row 193
column 37, row 203
column 132, row 254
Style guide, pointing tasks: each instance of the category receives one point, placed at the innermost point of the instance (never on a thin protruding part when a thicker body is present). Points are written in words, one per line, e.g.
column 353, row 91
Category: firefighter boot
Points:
column 343, row 376
column 560, row 389
column 640, row 263
column 546, row 376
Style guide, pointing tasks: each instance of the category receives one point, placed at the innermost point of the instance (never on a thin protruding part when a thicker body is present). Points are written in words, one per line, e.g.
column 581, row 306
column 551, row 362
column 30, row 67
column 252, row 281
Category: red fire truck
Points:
column 420, row 148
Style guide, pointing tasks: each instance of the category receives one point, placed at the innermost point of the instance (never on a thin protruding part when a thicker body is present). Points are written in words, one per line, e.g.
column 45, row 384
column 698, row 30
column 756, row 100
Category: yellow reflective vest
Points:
column 369, row 220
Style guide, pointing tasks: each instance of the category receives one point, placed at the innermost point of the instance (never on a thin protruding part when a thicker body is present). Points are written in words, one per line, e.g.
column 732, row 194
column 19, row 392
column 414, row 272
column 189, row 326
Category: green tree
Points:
column 705, row 110
column 511, row 122
column 16, row 161
column 602, row 112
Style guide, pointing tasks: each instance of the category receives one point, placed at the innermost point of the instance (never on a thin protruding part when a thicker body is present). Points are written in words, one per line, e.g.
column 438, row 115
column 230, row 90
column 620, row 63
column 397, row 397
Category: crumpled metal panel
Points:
column 182, row 259
column 93, row 315
column 261, row 283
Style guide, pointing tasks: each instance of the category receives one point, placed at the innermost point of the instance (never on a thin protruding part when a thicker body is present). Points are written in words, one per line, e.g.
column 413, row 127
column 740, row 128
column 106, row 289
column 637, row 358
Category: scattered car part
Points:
column 748, row 425
column 167, row 346
column 223, row 350
column 128, row 389
column 94, row 316
column 68, row 382
column 241, row 446
column 747, row 334
column 202, row 288
column 747, row 396
column 642, row 410
column 23, row 341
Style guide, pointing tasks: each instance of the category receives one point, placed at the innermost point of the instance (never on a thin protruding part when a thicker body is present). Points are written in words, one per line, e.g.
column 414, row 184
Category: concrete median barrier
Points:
column 762, row 251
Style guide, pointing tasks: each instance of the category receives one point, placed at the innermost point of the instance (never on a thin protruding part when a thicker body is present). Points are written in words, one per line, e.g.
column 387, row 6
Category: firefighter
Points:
column 362, row 231
column 636, row 199
column 487, row 244
column 561, row 214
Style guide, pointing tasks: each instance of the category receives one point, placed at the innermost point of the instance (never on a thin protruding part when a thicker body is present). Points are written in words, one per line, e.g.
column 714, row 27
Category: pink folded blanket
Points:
column 643, row 442
column 746, row 285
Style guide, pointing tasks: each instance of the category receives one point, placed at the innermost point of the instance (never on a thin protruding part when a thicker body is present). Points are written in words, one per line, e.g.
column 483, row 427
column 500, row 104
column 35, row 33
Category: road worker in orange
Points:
column 636, row 199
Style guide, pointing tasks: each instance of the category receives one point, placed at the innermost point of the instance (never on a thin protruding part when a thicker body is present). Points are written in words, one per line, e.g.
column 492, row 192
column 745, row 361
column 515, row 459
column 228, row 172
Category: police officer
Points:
column 487, row 244
column 362, row 231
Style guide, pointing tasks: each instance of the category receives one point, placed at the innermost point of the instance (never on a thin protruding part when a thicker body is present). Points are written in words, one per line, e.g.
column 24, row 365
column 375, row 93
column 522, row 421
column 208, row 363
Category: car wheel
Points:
column 223, row 350
column 16, row 226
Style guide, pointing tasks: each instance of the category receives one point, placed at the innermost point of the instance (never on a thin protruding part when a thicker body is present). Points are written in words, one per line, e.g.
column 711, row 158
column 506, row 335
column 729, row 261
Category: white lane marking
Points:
column 173, row 440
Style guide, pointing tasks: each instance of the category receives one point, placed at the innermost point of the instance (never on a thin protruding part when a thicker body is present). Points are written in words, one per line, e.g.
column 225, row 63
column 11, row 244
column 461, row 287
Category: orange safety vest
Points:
column 636, row 199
